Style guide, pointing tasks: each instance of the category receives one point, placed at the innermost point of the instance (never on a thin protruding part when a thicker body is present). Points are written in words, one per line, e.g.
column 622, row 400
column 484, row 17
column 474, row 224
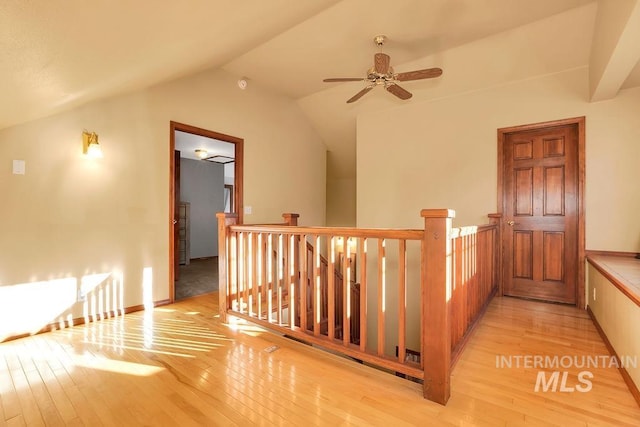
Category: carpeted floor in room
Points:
column 197, row 278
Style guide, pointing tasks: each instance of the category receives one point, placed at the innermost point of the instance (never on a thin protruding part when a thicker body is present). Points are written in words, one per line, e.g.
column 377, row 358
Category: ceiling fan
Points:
column 382, row 74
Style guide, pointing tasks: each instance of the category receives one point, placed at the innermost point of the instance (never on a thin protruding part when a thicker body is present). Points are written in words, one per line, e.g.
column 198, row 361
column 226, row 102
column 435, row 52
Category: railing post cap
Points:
column 226, row 215
column 438, row 213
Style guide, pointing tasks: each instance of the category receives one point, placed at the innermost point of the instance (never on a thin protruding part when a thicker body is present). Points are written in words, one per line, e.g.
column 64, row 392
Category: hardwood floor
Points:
column 178, row 365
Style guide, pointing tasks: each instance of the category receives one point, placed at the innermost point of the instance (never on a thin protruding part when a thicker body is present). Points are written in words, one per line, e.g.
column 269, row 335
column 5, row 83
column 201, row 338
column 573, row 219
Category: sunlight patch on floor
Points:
column 242, row 326
column 116, row 366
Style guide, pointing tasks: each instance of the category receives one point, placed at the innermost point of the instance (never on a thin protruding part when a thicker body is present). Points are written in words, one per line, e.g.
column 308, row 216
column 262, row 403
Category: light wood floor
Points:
column 178, row 365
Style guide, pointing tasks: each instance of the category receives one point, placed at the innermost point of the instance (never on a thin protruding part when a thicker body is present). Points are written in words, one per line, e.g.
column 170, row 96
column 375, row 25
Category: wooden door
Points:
column 540, row 212
column 176, row 216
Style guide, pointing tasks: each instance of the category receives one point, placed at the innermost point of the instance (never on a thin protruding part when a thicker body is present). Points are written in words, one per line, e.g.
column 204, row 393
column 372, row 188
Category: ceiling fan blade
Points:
column 427, row 73
column 398, row 91
column 343, row 79
column 381, row 63
column 359, row 95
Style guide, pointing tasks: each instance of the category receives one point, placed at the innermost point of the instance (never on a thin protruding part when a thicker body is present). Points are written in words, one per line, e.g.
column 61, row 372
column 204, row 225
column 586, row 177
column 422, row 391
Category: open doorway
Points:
column 205, row 178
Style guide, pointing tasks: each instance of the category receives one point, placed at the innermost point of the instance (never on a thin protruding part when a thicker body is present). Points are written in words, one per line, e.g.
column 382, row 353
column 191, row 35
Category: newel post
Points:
column 224, row 221
column 436, row 282
column 291, row 218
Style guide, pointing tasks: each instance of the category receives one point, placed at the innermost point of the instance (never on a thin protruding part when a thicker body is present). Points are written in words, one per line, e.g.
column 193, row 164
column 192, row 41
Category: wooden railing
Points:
column 475, row 278
column 331, row 286
column 310, row 299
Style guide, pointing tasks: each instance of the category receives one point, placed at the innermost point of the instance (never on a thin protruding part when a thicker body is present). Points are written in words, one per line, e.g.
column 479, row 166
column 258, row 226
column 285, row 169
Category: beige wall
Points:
column 441, row 152
column 444, row 154
column 72, row 218
column 618, row 317
column 341, row 202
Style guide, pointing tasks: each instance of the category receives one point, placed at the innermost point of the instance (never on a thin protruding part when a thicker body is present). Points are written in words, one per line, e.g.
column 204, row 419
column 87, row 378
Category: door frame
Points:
column 237, row 190
column 580, row 123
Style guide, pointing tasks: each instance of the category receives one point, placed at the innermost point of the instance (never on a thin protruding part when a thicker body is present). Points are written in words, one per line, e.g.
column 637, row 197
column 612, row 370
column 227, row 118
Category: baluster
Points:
column 473, row 278
column 241, row 272
column 381, row 294
column 331, row 288
column 254, row 275
column 280, row 279
column 346, row 292
column 233, row 268
column 362, row 248
column 402, row 299
column 317, row 277
column 290, row 281
column 459, row 292
column 270, row 277
column 261, row 273
column 304, row 259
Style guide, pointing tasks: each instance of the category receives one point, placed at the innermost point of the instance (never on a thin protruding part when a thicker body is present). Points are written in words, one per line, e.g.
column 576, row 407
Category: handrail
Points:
column 374, row 233
column 471, row 229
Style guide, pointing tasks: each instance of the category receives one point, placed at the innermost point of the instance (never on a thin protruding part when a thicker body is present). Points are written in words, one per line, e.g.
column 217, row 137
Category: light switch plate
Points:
column 247, row 210
column 19, row 167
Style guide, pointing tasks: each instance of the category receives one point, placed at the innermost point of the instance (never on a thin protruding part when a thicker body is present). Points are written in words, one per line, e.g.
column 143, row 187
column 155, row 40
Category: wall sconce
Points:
column 201, row 153
column 90, row 146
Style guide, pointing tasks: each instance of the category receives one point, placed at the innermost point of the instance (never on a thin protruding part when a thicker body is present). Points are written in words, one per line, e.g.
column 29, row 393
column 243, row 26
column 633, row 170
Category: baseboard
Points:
column 204, row 258
column 612, row 253
column 81, row 320
column 633, row 388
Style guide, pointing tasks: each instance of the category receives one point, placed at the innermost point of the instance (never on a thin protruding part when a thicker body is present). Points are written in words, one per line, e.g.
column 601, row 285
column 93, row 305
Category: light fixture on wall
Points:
column 220, row 159
column 201, row 153
column 90, row 146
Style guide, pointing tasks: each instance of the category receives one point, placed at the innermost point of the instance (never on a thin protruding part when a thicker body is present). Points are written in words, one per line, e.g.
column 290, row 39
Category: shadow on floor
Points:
column 197, row 278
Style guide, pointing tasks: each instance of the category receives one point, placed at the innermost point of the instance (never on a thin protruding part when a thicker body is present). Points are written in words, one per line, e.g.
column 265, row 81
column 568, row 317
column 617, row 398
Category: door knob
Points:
column 511, row 223
column 175, row 221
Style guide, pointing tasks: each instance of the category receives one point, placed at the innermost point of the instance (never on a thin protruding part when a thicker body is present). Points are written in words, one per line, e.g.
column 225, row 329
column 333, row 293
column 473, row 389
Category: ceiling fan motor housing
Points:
column 378, row 78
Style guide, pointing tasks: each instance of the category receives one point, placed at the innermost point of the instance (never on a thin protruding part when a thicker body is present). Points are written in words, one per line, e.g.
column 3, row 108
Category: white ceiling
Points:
column 188, row 143
column 338, row 41
column 58, row 55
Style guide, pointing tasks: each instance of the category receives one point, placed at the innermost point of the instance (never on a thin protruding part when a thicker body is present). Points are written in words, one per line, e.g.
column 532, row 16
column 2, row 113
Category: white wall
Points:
column 74, row 218
column 202, row 185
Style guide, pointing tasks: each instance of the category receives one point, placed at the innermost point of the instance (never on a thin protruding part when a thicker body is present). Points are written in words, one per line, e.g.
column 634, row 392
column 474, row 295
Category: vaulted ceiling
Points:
column 56, row 56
